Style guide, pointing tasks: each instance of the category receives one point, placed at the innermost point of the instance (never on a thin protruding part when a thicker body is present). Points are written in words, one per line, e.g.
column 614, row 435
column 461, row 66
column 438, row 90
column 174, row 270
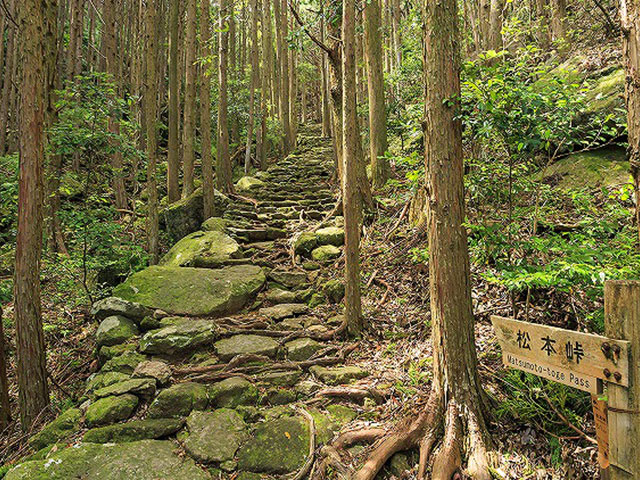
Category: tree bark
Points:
column 255, row 78
column 283, row 62
column 173, row 159
column 558, row 18
column 205, row 109
column 189, row 131
column 375, row 80
column 7, row 84
column 630, row 20
column 223, row 166
column 351, row 139
column 31, row 356
column 5, row 406
column 150, row 118
column 495, row 25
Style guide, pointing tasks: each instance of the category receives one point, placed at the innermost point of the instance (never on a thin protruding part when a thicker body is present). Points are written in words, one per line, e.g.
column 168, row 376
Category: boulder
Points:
column 215, row 436
column 182, row 336
column 246, row 345
column 215, row 224
column 285, row 310
column 104, row 379
column 331, row 236
column 60, row 429
column 194, row 291
column 148, row 429
column 325, row 253
column 278, row 446
column 305, row 243
column 233, row 392
column 179, row 401
column 142, row 387
column 157, row 370
column 106, row 353
column 338, row 375
column 110, row 306
column 202, row 250
column 281, row 379
column 187, row 215
column 302, row 349
column 143, row 460
column 249, row 185
column 115, row 330
column 279, row 296
column 125, row 363
column 108, row 410
column 334, row 290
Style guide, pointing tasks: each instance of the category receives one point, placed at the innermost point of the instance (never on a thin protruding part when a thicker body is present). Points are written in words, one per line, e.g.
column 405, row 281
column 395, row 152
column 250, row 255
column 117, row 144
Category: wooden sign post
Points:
column 607, row 367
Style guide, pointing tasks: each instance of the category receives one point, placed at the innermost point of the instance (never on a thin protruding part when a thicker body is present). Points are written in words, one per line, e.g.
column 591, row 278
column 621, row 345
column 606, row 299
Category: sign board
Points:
column 601, row 420
column 573, row 358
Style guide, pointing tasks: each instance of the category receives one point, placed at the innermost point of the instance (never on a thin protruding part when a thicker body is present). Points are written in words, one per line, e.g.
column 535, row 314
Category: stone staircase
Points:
column 213, row 364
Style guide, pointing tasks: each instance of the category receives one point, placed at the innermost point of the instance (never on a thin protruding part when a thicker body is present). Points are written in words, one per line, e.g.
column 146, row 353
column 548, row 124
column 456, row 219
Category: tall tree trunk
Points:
column 326, row 113
column 5, row 406
column 375, row 80
column 255, row 78
column 350, row 200
column 205, row 109
column 283, row 62
column 31, row 356
column 173, row 159
column 189, row 132
column 150, row 120
column 223, row 166
column 112, row 67
column 558, row 18
column 544, row 32
column 484, row 14
column 7, row 84
column 495, row 25
column 630, row 20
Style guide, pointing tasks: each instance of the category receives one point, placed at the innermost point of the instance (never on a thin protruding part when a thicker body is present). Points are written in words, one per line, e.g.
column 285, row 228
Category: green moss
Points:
column 134, row 431
column 61, row 428
column 180, row 336
column 111, row 410
column 125, row 363
column 179, row 401
column 203, row 250
column 233, row 392
column 607, row 93
column 193, row 291
column 305, row 243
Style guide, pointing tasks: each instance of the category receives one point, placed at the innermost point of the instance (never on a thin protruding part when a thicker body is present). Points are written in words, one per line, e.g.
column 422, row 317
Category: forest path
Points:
column 254, row 393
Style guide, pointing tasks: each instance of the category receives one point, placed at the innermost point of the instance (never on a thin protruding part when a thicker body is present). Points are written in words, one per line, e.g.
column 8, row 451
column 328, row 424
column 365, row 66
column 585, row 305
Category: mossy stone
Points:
column 302, row 349
column 278, row 446
column 325, row 253
column 110, row 306
column 338, row 375
column 215, row 224
column 61, row 428
column 202, row 250
column 148, row 429
column 284, row 310
column 104, row 379
column 334, row 290
column 331, row 236
column 142, row 387
column 108, row 410
column 215, row 436
column 305, row 243
column 246, row 345
column 249, row 185
column 179, row 401
column 125, row 363
column 233, row 392
column 107, row 353
column 288, row 278
column 143, row 460
column 115, row 330
column 182, row 335
column 194, row 291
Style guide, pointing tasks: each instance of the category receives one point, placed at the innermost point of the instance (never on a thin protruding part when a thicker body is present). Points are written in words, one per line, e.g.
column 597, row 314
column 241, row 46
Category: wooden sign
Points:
column 601, row 420
column 573, row 358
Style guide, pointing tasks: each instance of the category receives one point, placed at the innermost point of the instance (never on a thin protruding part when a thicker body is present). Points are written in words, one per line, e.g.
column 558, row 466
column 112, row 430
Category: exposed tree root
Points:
column 425, row 431
column 354, row 394
column 356, row 437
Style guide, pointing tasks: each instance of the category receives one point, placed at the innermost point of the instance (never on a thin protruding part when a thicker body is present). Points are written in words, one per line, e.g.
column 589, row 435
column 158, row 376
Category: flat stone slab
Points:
column 193, row 291
column 149, row 429
column 143, row 460
column 338, row 375
column 215, row 436
column 289, row 279
column 278, row 446
column 179, row 401
column 284, row 310
column 244, row 345
column 182, row 335
column 144, row 387
column 117, row 306
column 302, row 349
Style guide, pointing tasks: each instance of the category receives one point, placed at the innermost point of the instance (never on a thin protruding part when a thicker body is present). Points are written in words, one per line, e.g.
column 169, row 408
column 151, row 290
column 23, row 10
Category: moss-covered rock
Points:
column 338, row 375
column 157, row 370
column 104, row 379
column 61, row 428
column 142, row 387
column 70, row 186
column 202, row 250
column 187, row 215
column 287, row 378
column 331, row 236
column 107, row 353
column 110, row 306
column 194, row 291
column 302, row 349
column 305, row 243
column 279, row 296
column 215, row 224
column 183, row 335
column 334, row 290
column 284, row 310
column 326, row 253
column 144, row 460
column 108, row 410
column 233, row 392
column 288, row 278
column 179, row 401
column 149, row 429
column 215, row 436
column 246, row 345
column 115, row 330
column 278, row 446
column 125, row 363
column 249, row 185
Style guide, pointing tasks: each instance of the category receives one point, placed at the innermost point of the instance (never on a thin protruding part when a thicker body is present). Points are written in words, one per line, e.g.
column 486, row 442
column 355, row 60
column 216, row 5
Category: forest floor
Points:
column 286, row 349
